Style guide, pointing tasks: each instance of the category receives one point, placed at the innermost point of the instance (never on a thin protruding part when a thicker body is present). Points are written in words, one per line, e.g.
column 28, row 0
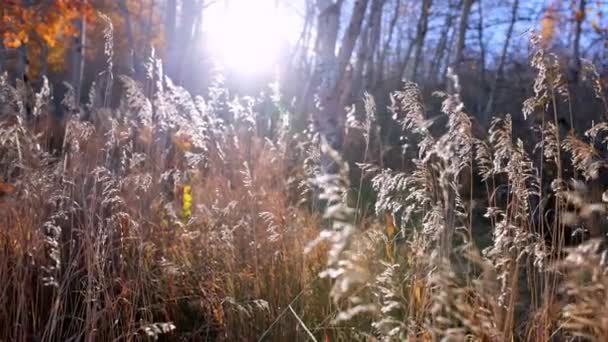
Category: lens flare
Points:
column 249, row 36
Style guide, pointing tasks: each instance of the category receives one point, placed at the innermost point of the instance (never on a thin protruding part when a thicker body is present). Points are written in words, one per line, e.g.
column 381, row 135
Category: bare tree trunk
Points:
column 301, row 58
column 335, row 100
column 2, row 57
column 22, row 63
column 77, row 57
column 346, row 90
column 387, row 44
column 357, row 86
column 448, row 57
column 482, row 56
column 124, row 11
column 330, row 70
column 575, row 64
column 180, row 36
column 501, row 64
column 442, row 45
column 148, row 24
column 350, row 36
column 482, row 44
column 404, row 61
column 462, row 33
column 576, row 48
column 422, row 28
column 299, row 50
column 368, row 44
column 2, row 49
column 44, row 53
column 22, row 74
column 375, row 31
column 325, row 75
column 148, row 80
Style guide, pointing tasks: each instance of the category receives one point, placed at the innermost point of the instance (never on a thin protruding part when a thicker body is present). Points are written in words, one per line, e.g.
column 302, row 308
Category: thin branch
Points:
column 302, row 323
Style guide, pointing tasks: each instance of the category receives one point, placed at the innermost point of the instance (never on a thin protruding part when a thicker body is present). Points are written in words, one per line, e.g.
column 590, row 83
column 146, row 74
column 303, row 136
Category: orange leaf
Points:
column 6, row 189
column 12, row 43
column 182, row 141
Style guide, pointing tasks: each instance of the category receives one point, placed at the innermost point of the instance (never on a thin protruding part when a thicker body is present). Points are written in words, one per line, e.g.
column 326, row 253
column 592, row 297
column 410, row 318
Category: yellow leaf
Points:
column 187, row 202
column 182, row 141
column 418, row 294
column 391, row 232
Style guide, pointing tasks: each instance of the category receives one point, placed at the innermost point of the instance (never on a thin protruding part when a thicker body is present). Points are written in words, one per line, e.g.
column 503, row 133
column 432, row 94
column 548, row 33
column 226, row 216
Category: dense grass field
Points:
column 184, row 218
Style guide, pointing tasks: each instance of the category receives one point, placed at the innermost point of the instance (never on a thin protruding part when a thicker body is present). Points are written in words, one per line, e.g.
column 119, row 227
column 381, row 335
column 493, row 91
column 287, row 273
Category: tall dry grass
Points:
column 169, row 216
column 499, row 237
column 187, row 218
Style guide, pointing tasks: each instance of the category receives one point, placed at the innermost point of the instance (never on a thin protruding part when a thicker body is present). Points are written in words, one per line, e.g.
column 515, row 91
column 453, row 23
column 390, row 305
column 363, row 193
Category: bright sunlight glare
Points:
column 248, row 36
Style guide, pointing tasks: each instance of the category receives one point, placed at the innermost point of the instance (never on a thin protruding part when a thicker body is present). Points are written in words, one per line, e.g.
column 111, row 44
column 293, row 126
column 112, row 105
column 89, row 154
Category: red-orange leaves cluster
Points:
column 46, row 21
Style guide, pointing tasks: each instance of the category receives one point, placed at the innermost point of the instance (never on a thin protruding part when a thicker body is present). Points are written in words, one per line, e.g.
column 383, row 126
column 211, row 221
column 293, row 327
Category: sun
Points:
column 249, row 36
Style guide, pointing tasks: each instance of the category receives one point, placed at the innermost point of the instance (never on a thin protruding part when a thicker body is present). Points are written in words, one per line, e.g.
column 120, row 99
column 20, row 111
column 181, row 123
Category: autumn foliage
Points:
column 48, row 21
column 43, row 29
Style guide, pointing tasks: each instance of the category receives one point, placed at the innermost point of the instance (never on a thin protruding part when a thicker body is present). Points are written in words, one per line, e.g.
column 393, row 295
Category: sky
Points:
column 248, row 36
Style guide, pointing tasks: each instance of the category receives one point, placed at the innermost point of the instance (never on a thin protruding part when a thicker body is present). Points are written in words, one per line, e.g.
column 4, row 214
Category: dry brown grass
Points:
column 496, row 268
column 154, row 218
column 180, row 218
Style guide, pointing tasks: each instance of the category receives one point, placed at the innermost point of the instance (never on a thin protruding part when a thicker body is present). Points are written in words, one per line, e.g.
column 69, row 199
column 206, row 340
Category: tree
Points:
column 462, row 32
column 368, row 46
column 442, row 45
column 421, row 31
column 139, row 28
column 180, row 38
column 77, row 55
column 38, row 30
column 375, row 24
column 330, row 69
column 501, row 62
column 387, row 44
column 576, row 46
